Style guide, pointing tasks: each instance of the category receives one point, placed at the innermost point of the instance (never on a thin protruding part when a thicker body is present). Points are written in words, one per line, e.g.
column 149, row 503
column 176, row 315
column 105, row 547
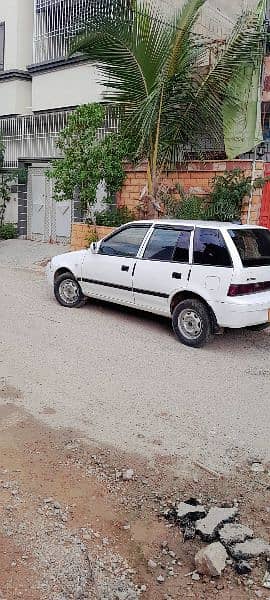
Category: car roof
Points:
column 193, row 223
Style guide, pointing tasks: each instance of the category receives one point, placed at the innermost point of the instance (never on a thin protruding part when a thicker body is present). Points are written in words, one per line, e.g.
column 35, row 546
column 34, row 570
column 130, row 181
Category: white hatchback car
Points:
column 203, row 275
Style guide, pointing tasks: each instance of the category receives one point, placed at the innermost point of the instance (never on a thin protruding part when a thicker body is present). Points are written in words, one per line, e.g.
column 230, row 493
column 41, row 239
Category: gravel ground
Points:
column 26, row 254
column 121, row 377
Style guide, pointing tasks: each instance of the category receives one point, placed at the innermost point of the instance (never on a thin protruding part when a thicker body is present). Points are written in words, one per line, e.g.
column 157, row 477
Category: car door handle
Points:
column 177, row 275
column 125, row 268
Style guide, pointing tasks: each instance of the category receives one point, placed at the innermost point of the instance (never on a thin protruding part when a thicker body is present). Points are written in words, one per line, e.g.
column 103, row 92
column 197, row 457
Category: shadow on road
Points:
column 237, row 339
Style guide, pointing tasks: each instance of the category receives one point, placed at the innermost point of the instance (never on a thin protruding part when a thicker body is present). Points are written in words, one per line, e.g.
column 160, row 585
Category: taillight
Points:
column 242, row 289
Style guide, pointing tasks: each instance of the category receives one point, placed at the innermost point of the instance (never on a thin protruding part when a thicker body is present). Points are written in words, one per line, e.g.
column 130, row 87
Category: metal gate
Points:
column 265, row 206
column 47, row 220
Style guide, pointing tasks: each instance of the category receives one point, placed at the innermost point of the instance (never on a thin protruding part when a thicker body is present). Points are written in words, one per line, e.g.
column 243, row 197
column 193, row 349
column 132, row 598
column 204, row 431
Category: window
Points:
column 2, row 46
column 253, row 246
column 124, row 243
column 210, row 248
column 168, row 244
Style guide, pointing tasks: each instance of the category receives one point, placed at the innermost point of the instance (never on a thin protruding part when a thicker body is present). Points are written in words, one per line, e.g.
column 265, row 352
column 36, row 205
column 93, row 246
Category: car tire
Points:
column 68, row 291
column 192, row 323
column 260, row 327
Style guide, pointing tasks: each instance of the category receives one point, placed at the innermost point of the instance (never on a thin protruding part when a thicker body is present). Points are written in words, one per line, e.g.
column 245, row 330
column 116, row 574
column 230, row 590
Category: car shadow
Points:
column 238, row 339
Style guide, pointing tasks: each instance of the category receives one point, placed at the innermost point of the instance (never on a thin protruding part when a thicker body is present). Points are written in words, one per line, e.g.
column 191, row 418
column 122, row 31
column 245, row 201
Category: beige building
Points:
column 39, row 87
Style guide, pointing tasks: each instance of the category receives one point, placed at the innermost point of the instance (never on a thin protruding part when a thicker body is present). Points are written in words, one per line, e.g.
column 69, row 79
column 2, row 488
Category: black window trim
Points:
column 123, row 228
column 175, row 228
column 226, row 246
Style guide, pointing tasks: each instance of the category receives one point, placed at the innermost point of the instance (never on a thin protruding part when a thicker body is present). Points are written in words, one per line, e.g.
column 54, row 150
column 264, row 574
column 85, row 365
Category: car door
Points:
column 212, row 267
column 163, row 268
column 108, row 274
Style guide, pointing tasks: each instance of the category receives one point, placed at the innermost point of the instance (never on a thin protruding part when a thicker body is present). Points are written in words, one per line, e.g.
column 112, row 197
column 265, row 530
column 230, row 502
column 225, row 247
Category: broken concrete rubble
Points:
column 208, row 527
column 250, row 549
column 243, row 567
column 233, row 533
column 188, row 512
column 211, row 560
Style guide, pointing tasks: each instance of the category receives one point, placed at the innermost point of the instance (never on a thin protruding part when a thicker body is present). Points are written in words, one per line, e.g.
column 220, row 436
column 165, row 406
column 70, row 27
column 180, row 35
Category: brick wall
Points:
column 81, row 232
column 196, row 177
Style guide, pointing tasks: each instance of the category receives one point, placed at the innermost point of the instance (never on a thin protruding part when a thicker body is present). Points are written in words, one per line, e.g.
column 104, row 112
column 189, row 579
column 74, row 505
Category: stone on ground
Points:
column 209, row 526
column 233, row 533
column 243, row 567
column 211, row 560
column 186, row 511
column 250, row 549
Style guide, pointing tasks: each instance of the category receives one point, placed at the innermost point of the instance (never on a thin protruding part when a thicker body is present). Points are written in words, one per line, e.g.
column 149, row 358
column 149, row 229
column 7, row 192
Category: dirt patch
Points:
column 70, row 528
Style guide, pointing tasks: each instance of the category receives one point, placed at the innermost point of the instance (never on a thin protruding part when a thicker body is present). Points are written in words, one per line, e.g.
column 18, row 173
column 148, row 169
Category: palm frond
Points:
column 129, row 53
column 204, row 111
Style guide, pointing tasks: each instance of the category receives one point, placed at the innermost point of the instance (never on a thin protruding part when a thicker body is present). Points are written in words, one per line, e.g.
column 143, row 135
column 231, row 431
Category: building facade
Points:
column 39, row 87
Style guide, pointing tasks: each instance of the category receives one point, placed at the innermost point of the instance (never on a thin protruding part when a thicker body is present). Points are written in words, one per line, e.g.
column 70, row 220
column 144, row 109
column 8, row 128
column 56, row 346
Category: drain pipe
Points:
column 252, row 185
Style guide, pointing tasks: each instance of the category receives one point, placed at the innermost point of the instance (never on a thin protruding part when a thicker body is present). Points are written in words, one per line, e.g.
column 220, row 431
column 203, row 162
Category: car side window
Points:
column 167, row 244
column 210, row 248
column 126, row 242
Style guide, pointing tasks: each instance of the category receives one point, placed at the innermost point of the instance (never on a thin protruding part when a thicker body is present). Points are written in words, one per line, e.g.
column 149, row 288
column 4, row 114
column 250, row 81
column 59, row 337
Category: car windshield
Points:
column 253, row 246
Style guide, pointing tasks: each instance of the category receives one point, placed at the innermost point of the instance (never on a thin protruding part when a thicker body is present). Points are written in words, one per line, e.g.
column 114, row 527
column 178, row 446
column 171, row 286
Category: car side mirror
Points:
column 94, row 247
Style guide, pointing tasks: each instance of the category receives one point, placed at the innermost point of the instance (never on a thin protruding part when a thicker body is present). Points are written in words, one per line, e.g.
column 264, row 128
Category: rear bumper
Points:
column 243, row 312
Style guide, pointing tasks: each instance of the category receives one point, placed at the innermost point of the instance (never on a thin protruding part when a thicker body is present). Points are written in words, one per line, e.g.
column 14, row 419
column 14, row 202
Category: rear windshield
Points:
column 253, row 246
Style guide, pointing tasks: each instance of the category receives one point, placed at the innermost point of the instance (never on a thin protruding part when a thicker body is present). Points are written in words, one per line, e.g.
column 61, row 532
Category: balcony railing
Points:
column 35, row 136
column 57, row 22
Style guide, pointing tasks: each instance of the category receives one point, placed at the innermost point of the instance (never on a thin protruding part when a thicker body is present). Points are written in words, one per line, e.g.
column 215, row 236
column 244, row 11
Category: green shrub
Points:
column 228, row 193
column 8, row 231
column 183, row 205
column 114, row 217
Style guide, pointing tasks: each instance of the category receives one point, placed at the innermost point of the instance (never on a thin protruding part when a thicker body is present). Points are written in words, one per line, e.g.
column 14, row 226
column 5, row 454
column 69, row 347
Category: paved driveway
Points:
column 120, row 377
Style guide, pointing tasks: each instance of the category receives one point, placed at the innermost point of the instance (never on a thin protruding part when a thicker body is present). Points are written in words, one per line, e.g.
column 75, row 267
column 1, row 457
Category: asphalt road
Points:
column 120, row 377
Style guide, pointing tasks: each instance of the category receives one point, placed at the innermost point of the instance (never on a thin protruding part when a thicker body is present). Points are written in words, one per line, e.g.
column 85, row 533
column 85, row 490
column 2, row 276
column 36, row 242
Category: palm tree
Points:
column 157, row 73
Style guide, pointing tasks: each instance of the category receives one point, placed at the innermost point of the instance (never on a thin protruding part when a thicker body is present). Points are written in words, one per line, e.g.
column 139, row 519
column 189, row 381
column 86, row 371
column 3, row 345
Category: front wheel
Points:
column 68, row 291
column 192, row 323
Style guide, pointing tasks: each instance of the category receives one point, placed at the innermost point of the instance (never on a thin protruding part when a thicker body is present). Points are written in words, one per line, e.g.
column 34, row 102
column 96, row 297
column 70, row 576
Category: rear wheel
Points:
column 192, row 323
column 68, row 291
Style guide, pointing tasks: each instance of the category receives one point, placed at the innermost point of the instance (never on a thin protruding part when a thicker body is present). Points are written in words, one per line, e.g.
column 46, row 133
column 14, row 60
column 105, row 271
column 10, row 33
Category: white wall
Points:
column 65, row 87
column 15, row 97
column 18, row 18
column 11, row 214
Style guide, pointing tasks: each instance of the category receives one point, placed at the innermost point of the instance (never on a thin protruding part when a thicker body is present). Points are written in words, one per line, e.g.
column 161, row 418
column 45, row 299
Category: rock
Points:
column 189, row 532
column 250, row 549
column 127, row 475
column 257, row 468
column 209, row 526
column 164, row 545
column 160, row 579
column 266, row 580
column 189, row 512
column 243, row 567
column 195, row 577
column 143, row 588
column 152, row 564
column 211, row 560
column 172, row 554
column 233, row 533
column 258, row 593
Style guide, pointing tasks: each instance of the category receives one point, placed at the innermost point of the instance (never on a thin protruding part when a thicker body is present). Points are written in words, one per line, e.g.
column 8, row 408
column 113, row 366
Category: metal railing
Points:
column 35, row 136
column 57, row 22
column 31, row 136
